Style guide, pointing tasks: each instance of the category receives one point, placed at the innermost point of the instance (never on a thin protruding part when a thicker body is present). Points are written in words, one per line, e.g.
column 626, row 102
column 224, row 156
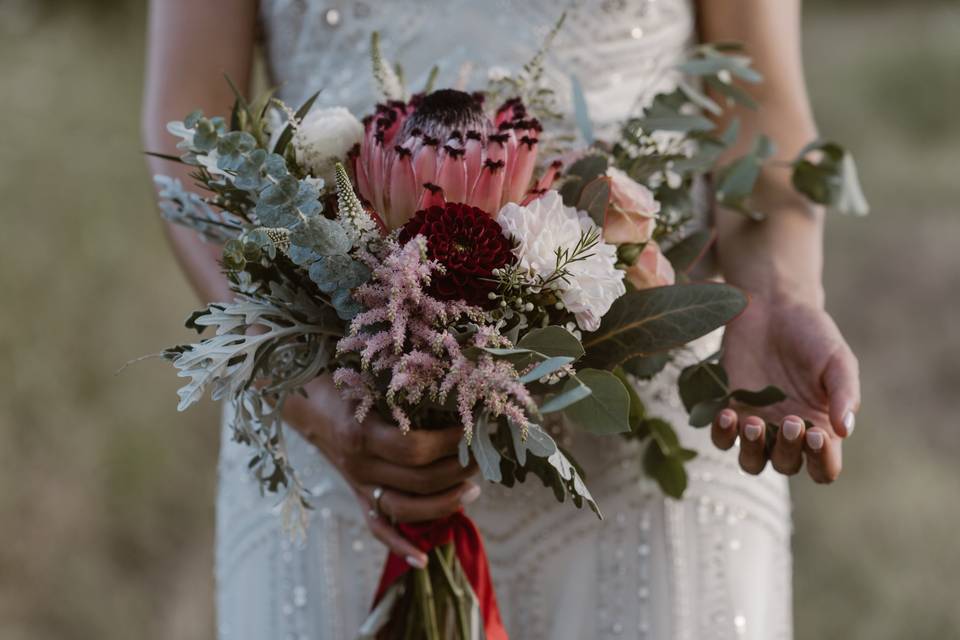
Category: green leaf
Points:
column 650, row 321
column 552, row 341
column 664, row 435
column 764, row 398
column 546, row 367
column 737, row 66
column 324, row 236
column 431, row 79
column 685, row 255
column 581, row 112
column 568, row 396
column 734, row 93
column 668, row 472
column 702, row 381
column 572, row 481
column 738, row 178
column 607, row 409
column 595, row 198
column 287, row 133
column 831, row 179
column 703, row 413
column 537, row 442
column 698, row 98
column 667, row 112
column 581, row 173
column 637, row 410
column 646, row 367
column 486, row 455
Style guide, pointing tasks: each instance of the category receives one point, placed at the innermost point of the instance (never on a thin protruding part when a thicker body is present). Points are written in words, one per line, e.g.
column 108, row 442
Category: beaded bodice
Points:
column 621, row 51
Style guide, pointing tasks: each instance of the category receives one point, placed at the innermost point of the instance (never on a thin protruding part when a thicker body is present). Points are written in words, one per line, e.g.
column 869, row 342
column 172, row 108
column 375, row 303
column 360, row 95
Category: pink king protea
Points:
column 442, row 147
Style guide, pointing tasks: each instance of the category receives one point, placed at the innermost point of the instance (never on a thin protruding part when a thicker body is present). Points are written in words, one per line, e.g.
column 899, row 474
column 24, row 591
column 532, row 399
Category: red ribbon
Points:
column 460, row 530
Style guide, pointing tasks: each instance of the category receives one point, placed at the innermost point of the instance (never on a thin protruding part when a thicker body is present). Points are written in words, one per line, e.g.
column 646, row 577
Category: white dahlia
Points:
column 546, row 225
column 324, row 138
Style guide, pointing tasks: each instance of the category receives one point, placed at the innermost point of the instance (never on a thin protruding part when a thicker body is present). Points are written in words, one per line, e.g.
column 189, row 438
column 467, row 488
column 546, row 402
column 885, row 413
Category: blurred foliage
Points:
column 107, row 528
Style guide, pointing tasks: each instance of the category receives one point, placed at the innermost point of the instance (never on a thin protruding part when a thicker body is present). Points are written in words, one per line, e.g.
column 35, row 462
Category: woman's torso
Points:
column 621, row 51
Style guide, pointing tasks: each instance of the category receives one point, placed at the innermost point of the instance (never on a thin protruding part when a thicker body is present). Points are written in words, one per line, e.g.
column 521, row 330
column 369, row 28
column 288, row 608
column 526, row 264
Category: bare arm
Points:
column 785, row 337
column 191, row 45
column 782, row 255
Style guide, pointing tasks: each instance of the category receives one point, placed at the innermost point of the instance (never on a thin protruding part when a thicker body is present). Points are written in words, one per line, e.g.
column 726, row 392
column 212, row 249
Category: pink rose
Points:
column 632, row 214
column 652, row 269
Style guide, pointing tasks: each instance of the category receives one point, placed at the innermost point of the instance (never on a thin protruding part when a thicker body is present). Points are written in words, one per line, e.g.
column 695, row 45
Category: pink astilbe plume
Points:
column 409, row 349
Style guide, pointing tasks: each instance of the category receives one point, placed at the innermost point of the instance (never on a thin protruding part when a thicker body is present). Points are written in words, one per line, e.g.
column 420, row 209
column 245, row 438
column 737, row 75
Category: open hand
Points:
column 798, row 347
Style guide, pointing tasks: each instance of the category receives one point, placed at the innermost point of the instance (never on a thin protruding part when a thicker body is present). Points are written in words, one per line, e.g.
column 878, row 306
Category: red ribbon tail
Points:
column 468, row 547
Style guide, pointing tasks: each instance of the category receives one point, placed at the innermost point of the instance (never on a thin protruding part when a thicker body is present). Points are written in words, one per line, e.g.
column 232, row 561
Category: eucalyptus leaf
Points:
column 570, row 394
column 546, row 367
column 324, row 236
column 606, row 410
column 654, row 320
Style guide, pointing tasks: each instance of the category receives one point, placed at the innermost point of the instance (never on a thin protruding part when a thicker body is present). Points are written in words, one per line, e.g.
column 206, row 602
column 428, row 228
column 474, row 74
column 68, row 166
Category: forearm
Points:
column 190, row 48
column 781, row 256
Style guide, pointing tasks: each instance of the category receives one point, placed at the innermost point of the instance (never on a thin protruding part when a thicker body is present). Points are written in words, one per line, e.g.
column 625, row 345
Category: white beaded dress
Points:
column 714, row 566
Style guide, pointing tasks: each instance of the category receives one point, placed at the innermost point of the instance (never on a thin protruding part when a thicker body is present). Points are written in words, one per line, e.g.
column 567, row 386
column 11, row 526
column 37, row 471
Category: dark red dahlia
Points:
column 468, row 243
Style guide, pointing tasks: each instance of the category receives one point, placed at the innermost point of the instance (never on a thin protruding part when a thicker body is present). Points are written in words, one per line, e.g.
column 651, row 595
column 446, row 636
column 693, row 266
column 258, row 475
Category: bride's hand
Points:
column 798, row 347
column 419, row 474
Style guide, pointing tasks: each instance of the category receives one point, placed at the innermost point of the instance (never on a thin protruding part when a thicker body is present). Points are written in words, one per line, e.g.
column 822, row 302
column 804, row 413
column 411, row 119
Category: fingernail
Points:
column 417, row 563
column 470, row 495
column 725, row 421
column 752, row 431
column 849, row 422
column 791, row 429
column 815, row 440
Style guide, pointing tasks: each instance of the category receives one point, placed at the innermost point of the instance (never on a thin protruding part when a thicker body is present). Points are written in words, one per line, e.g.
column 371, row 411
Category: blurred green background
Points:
column 106, row 493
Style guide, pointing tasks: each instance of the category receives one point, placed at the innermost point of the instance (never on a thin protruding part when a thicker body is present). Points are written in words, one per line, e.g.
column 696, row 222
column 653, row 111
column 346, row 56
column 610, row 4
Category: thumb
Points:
column 841, row 381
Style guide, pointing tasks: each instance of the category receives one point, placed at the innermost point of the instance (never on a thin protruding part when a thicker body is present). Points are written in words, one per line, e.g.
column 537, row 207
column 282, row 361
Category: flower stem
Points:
column 427, row 604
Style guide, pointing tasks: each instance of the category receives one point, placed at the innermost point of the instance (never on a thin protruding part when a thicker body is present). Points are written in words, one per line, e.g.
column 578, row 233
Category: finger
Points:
column 413, row 448
column 436, row 477
column 389, row 536
column 753, row 454
column 723, row 431
column 841, row 380
column 407, row 508
column 787, row 455
column 398, row 545
column 824, row 455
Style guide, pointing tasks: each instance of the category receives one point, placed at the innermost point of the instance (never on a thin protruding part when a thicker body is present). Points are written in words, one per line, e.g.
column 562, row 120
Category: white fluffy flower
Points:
column 324, row 138
column 545, row 225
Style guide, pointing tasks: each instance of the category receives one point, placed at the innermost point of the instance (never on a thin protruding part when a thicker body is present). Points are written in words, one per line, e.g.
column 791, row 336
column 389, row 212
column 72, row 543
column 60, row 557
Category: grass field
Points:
column 106, row 492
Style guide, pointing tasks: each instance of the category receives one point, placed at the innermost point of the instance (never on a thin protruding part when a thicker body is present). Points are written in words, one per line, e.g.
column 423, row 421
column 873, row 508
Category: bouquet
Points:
column 456, row 256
